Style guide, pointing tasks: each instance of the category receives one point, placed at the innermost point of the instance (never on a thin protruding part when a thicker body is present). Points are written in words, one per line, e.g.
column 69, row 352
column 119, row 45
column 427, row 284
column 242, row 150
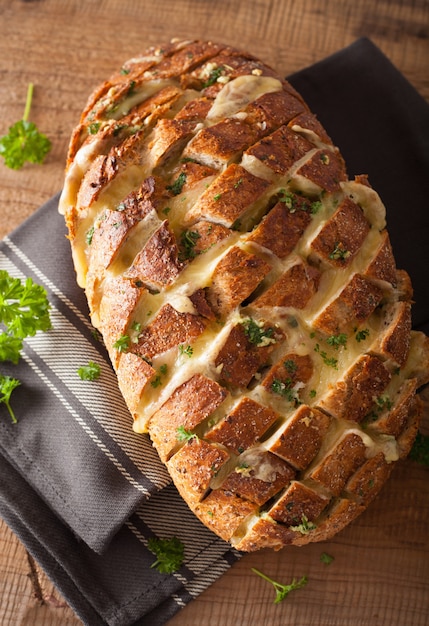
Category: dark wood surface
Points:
column 380, row 572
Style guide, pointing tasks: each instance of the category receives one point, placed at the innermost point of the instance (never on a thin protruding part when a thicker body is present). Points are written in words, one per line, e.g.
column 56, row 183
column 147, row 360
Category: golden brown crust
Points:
column 246, row 291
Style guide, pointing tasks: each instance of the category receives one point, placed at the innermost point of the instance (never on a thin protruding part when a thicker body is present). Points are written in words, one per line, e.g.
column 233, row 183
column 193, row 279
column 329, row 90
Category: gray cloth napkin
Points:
column 78, row 487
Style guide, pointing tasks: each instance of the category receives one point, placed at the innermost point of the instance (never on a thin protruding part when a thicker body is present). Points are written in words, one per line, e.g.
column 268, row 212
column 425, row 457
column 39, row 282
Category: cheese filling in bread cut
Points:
column 246, row 291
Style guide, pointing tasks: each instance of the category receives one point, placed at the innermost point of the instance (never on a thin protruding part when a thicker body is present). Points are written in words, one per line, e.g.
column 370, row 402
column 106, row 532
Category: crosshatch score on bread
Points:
column 246, row 291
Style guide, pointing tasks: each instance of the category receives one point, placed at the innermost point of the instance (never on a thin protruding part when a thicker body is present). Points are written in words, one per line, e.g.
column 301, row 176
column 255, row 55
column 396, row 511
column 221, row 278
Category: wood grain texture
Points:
column 380, row 571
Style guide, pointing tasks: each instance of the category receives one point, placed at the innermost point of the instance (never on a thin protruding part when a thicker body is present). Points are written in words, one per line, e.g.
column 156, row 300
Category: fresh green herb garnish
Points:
column 188, row 241
column 24, row 309
column 282, row 590
column 361, row 335
column 157, row 381
column 91, row 371
column 326, row 558
column 177, row 186
column 122, row 344
column 305, row 527
column 213, row 76
column 339, row 253
column 329, row 361
column 94, row 127
column 337, row 340
column 182, row 434
column 256, row 333
column 289, row 199
column 24, row 142
column 7, row 385
column 286, row 390
column 420, row 450
column 186, row 350
column 290, row 365
column 315, row 207
column 169, row 554
column 89, row 235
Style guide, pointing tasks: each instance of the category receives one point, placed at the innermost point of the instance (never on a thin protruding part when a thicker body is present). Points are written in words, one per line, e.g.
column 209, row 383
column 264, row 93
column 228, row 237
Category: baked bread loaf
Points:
column 246, row 291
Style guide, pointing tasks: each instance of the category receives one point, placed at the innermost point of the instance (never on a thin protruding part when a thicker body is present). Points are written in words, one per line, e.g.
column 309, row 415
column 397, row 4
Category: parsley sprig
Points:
column 24, row 142
column 92, row 371
column 169, row 554
column 7, row 385
column 24, row 309
column 282, row 590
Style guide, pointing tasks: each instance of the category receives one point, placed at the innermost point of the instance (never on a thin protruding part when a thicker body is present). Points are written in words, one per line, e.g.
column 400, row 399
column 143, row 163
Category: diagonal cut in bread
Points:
column 246, row 291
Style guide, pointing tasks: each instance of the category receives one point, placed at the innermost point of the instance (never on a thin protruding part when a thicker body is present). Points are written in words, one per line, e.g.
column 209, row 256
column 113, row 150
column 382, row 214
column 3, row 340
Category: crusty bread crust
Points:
column 246, row 291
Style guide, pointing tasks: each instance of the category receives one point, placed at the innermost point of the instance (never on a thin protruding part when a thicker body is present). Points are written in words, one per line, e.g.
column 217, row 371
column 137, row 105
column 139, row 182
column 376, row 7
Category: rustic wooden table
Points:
column 380, row 571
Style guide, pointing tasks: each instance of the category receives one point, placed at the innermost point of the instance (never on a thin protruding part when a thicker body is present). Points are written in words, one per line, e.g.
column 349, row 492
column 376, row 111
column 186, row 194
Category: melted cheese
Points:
column 240, row 92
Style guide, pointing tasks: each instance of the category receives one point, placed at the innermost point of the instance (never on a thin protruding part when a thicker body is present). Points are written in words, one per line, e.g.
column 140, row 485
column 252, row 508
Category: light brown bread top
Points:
column 246, row 291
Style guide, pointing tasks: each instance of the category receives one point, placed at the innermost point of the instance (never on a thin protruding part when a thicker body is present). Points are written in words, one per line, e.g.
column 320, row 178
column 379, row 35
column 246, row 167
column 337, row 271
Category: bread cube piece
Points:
column 382, row 265
column 232, row 510
column 300, row 438
column 340, row 463
column 116, row 311
column 194, row 466
column 264, row 532
column 299, row 504
column 168, row 329
column 295, row 287
column 258, row 476
column 222, row 204
column 342, row 236
column 243, row 426
column 393, row 341
column 235, row 277
column 280, row 150
column 325, row 169
column 157, row 265
column 134, row 376
column 240, row 359
column 354, row 303
column 189, row 405
column 352, row 396
column 280, row 230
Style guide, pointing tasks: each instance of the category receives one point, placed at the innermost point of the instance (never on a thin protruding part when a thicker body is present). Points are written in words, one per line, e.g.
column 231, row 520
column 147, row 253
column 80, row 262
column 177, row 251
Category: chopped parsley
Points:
column 188, row 241
column 305, row 527
column 157, row 380
column 91, row 371
column 122, row 344
column 213, row 76
column 361, row 335
column 329, row 361
column 315, row 207
column 339, row 253
column 186, row 350
column 337, row 340
column 282, row 590
column 177, row 186
column 256, row 333
column 182, row 434
column 289, row 200
column 326, row 558
column 169, row 554
column 290, row 365
column 286, row 390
